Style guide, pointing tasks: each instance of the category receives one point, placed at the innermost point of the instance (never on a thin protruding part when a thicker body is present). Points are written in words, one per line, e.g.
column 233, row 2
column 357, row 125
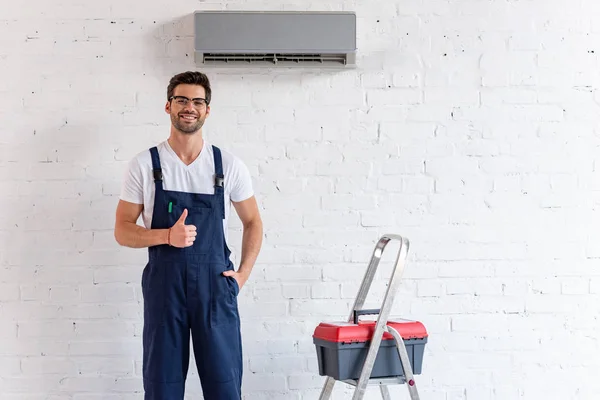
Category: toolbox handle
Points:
column 358, row 313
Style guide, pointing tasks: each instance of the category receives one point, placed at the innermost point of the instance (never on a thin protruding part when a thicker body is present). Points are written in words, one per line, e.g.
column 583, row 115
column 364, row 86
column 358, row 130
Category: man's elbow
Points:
column 118, row 233
column 254, row 224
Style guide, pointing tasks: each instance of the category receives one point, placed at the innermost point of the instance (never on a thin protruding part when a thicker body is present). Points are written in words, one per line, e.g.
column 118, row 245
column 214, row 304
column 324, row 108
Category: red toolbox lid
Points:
column 348, row 332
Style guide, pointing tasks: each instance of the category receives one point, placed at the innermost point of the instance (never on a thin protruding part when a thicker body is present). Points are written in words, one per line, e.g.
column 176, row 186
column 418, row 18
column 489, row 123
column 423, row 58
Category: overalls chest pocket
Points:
column 203, row 218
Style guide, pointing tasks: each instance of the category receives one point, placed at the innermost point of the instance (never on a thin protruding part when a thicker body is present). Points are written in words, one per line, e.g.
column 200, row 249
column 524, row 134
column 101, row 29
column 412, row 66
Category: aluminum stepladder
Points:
column 380, row 327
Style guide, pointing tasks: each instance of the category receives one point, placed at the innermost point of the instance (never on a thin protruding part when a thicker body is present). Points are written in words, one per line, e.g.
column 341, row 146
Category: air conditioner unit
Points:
column 275, row 38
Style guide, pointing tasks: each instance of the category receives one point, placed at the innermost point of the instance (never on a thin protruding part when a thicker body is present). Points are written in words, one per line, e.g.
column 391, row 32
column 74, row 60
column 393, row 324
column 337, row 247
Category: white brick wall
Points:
column 471, row 127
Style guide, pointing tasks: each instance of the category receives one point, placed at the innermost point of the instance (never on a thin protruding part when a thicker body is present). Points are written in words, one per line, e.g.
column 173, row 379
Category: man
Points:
column 183, row 188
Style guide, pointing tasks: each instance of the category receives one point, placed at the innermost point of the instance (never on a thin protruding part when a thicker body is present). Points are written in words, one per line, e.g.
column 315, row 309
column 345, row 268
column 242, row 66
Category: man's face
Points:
column 187, row 109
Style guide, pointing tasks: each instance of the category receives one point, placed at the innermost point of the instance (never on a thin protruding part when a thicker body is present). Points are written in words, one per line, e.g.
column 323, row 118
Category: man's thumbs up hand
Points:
column 182, row 235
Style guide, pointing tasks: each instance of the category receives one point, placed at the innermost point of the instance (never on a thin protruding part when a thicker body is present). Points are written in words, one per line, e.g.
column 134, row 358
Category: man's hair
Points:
column 190, row 78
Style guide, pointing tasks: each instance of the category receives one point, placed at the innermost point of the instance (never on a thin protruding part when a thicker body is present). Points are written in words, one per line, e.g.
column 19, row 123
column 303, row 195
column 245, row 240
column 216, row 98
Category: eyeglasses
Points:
column 183, row 101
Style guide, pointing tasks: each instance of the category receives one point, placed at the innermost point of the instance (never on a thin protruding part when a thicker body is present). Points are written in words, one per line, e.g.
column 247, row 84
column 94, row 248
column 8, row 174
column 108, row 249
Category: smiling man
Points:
column 183, row 188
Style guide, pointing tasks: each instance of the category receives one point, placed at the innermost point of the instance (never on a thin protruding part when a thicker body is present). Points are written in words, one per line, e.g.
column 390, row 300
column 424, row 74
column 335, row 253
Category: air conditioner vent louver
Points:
column 274, row 59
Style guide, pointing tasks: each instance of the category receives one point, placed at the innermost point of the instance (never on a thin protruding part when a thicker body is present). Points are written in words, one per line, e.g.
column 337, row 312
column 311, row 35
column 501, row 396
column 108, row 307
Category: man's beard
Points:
column 184, row 127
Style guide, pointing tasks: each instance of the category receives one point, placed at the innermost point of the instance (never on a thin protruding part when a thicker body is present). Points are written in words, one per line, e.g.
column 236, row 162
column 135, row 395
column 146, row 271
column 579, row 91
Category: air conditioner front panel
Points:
column 274, row 32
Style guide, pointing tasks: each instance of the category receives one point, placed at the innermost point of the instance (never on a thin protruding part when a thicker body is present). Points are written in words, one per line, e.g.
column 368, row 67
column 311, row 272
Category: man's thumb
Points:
column 183, row 217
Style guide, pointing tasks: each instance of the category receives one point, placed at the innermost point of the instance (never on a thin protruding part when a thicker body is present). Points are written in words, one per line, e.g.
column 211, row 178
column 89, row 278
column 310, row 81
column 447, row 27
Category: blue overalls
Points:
column 184, row 290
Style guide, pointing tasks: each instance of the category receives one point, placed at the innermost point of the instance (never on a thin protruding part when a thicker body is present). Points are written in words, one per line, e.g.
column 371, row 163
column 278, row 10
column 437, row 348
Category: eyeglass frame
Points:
column 187, row 100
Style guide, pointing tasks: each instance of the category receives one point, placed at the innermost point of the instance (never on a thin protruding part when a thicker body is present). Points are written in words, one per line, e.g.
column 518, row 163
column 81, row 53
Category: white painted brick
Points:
column 429, row 113
column 39, row 347
column 105, row 275
column 340, row 239
column 511, row 305
column 418, row 185
column 292, row 273
column 520, row 113
column 291, row 291
column 315, row 219
column 575, row 286
column 374, row 219
column 553, row 303
column 59, row 294
column 88, row 384
column 91, row 396
column 595, row 285
column 112, row 365
column 30, row 385
column 287, row 219
column 8, row 330
column 403, row 166
column 287, row 365
column 107, row 330
column 484, row 251
column 290, row 186
column 47, row 365
column 275, row 255
column 273, row 347
column 443, row 305
column 356, row 151
column 375, row 80
column 289, row 329
column 287, row 395
column 342, row 132
column 325, row 290
column 344, row 202
column 345, row 168
column 101, row 311
column 303, row 151
column 253, row 310
column 344, row 272
column 121, row 347
column 504, row 165
column 476, row 287
column 387, row 113
column 456, row 394
column 426, row 288
column 517, row 288
column 394, row 96
column 46, row 329
column 439, row 95
column 291, row 202
column 107, row 293
column 318, row 185
column 267, row 293
column 353, row 97
column 463, row 183
column 274, row 115
column 305, row 381
column 324, row 308
column 29, row 311
column 10, row 366
column 452, row 70
column 9, row 292
column 264, row 383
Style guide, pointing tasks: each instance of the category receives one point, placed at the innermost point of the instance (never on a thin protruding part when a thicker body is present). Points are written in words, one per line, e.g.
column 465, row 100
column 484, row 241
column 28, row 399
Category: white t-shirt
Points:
column 198, row 177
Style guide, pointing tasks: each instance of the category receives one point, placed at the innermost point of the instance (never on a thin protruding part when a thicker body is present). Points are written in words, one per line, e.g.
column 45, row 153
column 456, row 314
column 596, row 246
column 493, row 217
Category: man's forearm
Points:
column 251, row 243
column 132, row 235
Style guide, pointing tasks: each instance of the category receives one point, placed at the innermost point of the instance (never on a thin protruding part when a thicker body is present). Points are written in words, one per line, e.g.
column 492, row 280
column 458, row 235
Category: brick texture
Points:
column 471, row 127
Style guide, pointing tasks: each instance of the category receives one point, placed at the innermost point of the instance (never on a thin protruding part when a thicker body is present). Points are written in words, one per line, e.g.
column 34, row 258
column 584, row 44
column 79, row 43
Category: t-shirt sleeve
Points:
column 132, row 187
column 241, row 182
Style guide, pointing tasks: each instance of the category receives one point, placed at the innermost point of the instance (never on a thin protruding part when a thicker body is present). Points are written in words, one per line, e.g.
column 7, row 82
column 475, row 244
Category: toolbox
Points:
column 342, row 348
